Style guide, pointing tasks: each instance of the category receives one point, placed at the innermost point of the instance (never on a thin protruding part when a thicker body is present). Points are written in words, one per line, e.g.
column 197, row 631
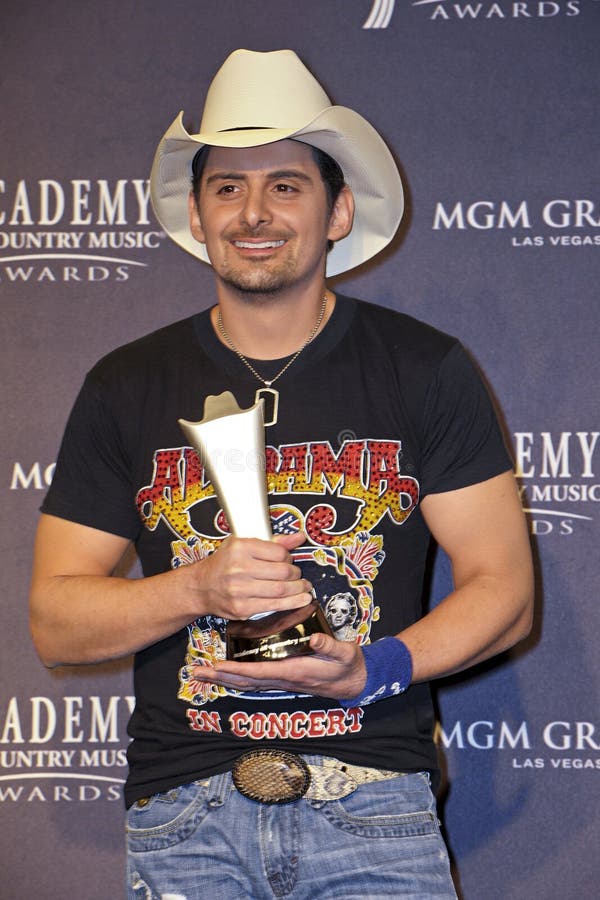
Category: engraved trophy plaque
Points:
column 230, row 442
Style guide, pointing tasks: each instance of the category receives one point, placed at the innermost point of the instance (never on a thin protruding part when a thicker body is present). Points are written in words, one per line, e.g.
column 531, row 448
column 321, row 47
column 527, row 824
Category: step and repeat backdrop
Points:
column 491, row 111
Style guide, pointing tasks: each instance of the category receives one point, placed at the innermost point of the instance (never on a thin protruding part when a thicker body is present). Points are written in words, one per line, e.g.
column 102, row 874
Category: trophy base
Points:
column 277, row 636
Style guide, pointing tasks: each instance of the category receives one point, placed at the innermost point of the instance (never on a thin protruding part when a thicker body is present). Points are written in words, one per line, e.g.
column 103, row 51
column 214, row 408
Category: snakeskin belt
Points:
column 277, row 776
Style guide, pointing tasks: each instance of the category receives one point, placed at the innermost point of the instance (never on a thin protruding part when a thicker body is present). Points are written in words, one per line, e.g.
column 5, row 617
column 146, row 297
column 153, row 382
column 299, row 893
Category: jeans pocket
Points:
column 400, row 807
column 166, row 819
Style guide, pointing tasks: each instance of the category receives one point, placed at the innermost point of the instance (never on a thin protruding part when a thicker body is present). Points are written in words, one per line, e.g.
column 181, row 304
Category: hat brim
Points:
column 368, row 166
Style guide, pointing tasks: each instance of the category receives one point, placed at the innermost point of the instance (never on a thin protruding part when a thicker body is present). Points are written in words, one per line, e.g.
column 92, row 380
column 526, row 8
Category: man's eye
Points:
column 227, row 189
column 284, row 188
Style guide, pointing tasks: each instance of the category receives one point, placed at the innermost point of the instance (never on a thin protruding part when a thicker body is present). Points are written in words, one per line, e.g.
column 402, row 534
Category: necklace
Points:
column 268, row 392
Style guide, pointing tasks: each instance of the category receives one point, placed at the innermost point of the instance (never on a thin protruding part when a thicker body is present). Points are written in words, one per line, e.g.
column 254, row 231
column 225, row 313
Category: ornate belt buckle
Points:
column 271, row 776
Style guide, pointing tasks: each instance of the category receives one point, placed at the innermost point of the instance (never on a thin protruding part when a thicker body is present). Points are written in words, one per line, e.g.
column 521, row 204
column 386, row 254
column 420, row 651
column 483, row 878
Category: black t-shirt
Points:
column 378, row 411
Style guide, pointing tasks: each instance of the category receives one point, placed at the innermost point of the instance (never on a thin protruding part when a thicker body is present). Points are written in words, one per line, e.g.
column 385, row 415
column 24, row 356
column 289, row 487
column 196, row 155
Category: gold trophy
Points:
column 225, row 432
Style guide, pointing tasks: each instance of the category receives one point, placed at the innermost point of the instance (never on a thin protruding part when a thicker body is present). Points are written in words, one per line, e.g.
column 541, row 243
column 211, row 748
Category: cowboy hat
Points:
column 259, row 98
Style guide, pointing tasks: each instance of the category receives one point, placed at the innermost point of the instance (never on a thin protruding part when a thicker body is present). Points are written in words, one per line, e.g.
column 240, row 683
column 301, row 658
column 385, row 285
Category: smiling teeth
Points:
column 254, row 245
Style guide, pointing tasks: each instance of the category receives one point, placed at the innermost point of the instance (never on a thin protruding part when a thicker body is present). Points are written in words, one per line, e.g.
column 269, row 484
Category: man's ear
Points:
column 342, row 215
column 195, row 224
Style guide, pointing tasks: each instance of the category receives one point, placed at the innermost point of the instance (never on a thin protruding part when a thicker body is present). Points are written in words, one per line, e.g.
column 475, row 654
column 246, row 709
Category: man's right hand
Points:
column 246, row 576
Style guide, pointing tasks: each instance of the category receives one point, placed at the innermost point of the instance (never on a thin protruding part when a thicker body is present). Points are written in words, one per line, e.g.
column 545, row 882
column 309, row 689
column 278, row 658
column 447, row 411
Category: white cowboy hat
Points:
column 259, row 98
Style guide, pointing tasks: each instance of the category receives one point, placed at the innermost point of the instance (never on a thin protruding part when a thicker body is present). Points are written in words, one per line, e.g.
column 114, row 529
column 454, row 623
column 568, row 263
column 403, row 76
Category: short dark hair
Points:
column 331, row 173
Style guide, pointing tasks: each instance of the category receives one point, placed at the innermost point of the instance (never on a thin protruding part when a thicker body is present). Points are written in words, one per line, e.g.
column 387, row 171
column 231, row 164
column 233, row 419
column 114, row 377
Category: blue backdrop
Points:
column 491, row 109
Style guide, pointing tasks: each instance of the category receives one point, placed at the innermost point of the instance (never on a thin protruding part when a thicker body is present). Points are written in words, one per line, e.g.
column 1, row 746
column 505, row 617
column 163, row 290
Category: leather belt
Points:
column 277, row 776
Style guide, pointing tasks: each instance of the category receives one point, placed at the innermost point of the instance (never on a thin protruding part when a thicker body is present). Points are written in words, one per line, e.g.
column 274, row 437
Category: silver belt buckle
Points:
column 271, row 776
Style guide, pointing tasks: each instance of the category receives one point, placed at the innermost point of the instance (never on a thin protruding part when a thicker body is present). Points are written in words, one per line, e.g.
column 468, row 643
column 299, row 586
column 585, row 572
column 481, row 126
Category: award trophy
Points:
column 227, row 432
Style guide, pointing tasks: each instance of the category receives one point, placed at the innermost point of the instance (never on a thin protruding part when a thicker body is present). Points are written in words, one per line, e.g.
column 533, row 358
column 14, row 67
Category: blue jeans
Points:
column 205, row 840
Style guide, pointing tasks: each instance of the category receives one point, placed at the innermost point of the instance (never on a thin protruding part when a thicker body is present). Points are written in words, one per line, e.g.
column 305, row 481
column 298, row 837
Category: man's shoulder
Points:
column 401, row 332
column 151, row 351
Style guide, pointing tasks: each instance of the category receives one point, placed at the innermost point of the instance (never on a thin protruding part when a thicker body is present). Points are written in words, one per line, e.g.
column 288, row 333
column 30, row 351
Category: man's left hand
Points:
column 335, row 669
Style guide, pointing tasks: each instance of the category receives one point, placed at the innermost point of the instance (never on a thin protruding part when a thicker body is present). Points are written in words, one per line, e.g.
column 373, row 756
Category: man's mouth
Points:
column 258, row 245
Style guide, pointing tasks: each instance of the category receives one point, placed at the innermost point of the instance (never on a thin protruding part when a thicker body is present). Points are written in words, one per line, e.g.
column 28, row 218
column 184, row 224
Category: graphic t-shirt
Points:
column 377, row 412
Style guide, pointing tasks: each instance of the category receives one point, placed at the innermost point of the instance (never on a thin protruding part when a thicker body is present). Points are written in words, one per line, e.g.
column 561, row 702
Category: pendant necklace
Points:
column 268, row 392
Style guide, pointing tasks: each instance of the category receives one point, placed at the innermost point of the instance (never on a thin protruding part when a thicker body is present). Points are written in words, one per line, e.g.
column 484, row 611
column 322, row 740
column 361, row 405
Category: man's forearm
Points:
column 80, row 613
column 93, row 618
column 473, row 623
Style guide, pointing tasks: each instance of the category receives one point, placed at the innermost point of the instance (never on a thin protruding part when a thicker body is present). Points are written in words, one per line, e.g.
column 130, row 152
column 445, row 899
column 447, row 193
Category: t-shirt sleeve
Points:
column 92, row 482
column 463, row 443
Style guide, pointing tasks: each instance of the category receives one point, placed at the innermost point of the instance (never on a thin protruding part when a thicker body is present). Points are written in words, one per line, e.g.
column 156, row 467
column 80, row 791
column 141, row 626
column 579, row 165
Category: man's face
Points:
column 264, row 215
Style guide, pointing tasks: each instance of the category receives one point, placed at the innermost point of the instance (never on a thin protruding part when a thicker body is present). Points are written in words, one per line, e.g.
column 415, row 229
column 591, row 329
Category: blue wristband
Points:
column 389, row 671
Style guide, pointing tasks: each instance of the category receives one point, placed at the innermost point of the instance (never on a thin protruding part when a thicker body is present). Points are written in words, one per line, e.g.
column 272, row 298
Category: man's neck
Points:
column 271, row 326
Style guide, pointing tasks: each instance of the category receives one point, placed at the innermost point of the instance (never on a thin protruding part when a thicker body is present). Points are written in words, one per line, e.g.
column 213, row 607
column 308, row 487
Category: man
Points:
column 378, row 434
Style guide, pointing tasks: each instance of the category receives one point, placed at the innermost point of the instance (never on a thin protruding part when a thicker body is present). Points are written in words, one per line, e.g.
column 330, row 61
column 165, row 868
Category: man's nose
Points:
column 256, row 211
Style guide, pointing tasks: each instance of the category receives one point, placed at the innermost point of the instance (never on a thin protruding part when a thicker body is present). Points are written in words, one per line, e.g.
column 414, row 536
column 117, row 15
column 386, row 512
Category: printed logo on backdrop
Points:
column 561, row 222
column 74, row 231
column 559, row 479
column 555, row 745
column 67, row 750
column 380, row 15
